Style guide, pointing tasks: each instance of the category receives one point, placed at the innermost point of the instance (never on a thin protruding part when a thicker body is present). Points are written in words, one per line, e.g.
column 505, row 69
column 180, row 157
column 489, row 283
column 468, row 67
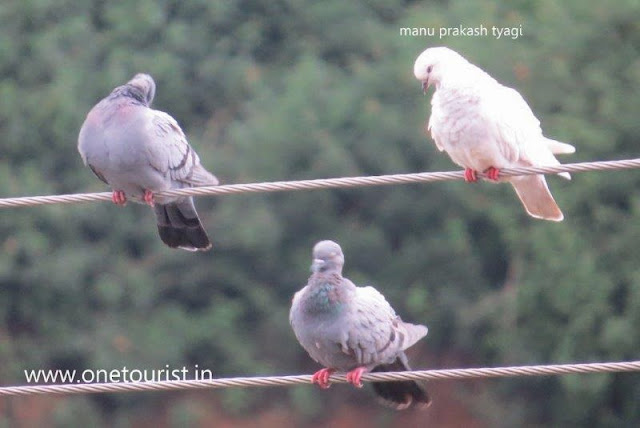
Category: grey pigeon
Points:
column 140, row 151
column 354, row 329
column 485, row 126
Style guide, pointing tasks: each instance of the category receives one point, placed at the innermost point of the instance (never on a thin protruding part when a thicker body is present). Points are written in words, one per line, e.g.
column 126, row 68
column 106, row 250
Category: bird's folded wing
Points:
column 370, row 331
column 170, row 153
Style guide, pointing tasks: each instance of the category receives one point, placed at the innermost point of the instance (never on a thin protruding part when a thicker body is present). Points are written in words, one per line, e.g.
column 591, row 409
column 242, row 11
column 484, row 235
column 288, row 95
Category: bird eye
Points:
column 429, row 68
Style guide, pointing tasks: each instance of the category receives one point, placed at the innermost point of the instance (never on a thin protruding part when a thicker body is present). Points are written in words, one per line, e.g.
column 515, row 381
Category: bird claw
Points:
column 493, row 173
column 148, row 198
column 119, row 198
column 470, row 175
column 321, row 377
column 353, row 377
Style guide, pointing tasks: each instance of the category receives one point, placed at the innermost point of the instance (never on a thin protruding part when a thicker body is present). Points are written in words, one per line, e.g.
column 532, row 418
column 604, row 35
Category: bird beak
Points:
column 317, row 264
column 425, row 86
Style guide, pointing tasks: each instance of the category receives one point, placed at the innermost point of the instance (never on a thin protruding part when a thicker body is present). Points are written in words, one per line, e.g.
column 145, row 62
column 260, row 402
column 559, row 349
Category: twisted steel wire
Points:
column 245, row 382
column 325, row 183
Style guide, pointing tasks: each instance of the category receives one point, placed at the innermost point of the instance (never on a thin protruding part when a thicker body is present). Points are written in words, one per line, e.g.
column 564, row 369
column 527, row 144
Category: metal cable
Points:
column 445, row 374
column 325, row 183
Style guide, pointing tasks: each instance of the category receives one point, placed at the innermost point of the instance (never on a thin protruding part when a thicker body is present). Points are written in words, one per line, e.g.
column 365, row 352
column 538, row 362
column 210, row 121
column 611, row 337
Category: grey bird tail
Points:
column 403, row 394
column 536, row 197
column 413, row 333
column 180, row 227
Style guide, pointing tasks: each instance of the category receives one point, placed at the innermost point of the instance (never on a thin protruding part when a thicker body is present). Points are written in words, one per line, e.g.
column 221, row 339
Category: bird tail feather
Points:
column 180, row 227
column 403, row 394
column 536, row 197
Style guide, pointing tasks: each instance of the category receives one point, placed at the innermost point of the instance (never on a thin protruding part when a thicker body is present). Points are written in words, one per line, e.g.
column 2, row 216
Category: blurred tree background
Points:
column 286, row 89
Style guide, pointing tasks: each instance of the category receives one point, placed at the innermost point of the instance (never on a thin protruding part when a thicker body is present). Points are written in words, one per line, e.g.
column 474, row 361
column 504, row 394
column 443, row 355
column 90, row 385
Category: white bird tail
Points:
column 536, row 197
column 558, row 148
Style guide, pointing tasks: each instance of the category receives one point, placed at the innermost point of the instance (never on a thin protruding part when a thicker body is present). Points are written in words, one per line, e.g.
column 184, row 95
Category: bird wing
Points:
column 509, row 120
column 517, row 127
column 372, row 333
column 295, row 302
column 170, row 153
column 434, row 118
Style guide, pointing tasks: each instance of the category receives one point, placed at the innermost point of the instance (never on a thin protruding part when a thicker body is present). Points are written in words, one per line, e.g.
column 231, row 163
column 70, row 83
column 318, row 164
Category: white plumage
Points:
column 485, row 126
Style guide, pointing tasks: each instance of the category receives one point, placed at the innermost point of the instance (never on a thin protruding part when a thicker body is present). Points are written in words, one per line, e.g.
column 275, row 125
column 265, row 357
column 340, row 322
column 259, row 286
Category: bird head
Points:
column 432, row 64
column 327, row 256
column 145, row 85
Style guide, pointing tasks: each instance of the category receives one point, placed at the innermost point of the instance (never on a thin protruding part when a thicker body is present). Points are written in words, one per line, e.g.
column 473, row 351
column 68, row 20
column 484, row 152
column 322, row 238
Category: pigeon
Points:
column 485, row 126
column 354, row 329
column 140, row 151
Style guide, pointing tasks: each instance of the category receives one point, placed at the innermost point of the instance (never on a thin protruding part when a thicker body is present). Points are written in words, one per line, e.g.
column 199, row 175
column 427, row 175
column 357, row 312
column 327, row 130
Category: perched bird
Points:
column 354, row 329
column 140, row 151
column 485, row 126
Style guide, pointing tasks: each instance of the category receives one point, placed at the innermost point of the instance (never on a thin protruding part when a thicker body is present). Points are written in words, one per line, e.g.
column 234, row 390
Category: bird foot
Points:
column 148, row 198
column 470, row 175
column 353, row 377
column 492, row 173
column 119, row 198
column 321, row 377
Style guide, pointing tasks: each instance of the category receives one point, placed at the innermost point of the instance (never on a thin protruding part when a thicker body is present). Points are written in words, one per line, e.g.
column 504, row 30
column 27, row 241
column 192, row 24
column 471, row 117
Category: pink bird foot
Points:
column 321, row 377
column 354, row 376
column 470, row 175
column 493, row 173
column 118, row 197
column 148, row 197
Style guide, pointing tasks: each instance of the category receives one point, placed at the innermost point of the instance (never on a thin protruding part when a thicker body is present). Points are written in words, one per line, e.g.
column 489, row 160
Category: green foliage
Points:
column 291, row 90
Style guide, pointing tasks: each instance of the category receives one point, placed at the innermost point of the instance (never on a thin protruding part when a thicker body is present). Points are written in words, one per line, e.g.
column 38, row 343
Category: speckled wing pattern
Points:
column 139, row 152
column 375, row 334
column 169, row 152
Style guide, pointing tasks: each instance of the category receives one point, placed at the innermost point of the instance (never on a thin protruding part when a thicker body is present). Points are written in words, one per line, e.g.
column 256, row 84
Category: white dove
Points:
column 485, row 126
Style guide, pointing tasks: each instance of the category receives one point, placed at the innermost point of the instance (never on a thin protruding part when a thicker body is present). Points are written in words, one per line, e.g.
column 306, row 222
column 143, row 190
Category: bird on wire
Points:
column 485, row 126
column 354, row 329
column 139, row 151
